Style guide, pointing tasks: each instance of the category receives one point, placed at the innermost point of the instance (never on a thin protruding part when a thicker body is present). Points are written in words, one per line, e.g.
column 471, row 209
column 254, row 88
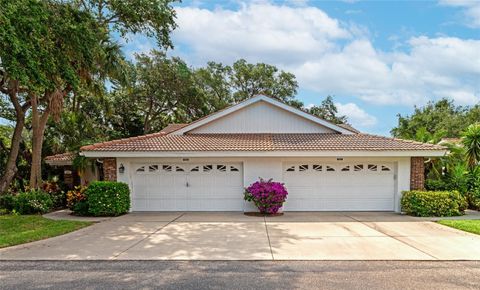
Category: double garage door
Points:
column 330, row 187
column 219, row 186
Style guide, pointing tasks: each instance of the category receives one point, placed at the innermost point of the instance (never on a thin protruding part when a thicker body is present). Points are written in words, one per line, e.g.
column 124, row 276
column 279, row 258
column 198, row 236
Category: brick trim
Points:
column 110, row 169
column 417, row 173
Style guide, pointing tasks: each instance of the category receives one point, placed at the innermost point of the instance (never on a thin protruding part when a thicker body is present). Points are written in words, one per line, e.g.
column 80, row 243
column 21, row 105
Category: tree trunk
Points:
column 39, row 122
column 11, row 166
column 146, row 123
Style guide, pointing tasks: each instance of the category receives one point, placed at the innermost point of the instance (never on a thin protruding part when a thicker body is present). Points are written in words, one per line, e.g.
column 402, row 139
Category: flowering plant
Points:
column 75, row 196
column 267, row 195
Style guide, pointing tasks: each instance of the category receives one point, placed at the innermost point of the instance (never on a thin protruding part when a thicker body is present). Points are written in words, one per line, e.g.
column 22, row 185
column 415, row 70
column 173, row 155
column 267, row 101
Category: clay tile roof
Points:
column 172, row 128
column 260, row 142
column 68, row 156
column 348, row 127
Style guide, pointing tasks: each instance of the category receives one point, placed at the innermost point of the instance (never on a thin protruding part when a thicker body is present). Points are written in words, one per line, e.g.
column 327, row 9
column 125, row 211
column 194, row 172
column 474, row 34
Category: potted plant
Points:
column 267, row 195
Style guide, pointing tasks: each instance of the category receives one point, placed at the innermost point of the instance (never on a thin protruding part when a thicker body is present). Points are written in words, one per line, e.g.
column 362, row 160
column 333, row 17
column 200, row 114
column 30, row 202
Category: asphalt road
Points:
column 239, row 275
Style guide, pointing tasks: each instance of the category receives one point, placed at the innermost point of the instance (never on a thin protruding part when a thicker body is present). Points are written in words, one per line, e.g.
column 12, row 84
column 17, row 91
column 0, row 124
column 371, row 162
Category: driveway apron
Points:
column 234, row 236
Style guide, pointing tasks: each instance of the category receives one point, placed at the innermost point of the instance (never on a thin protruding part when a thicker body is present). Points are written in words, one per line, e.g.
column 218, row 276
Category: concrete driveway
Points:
column 234, row 236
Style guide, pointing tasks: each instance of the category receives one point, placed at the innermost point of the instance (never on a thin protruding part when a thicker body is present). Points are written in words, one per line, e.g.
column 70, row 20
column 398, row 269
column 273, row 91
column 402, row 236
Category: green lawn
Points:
column 472, row 226
column 21, row 229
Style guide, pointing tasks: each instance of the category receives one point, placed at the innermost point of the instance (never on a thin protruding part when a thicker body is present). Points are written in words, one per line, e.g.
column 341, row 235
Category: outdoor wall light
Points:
column 121, row 169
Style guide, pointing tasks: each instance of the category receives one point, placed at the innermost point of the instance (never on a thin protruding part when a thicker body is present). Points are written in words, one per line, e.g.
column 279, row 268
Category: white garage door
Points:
column 330, row 187
column 192, row 187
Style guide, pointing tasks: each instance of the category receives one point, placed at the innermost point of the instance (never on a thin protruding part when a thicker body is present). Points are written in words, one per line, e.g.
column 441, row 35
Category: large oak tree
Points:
column 232, row 84
column 436, row 120
column 47, row 50
column 53, row 49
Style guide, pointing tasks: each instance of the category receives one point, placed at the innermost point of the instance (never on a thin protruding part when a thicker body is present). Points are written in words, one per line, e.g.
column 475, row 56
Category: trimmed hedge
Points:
column 433, row 203
column 32, row 202
column 107, row 198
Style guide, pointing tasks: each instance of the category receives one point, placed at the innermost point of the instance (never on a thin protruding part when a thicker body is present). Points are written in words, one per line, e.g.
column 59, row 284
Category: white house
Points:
column 205, row 165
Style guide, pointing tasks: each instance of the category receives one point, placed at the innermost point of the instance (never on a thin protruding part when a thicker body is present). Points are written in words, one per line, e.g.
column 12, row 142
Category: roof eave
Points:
column 323, row 153
column 59, row 162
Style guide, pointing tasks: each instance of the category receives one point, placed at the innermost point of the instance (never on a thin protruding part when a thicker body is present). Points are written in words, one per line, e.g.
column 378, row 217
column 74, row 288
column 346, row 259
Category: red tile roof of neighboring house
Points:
column 68, row 156
column 260, row 142
column 450, row 140
column 172, row 128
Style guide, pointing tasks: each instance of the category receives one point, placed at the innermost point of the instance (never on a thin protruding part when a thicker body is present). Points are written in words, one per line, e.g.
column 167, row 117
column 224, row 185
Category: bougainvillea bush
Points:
column 267, row 195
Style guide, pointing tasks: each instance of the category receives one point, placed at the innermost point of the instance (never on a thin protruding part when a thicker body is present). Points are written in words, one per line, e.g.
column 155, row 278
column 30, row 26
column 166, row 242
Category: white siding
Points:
column 262, row 117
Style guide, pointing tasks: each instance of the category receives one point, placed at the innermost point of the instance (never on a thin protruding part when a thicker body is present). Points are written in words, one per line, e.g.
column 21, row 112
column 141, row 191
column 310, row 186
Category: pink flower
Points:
column 268, row 196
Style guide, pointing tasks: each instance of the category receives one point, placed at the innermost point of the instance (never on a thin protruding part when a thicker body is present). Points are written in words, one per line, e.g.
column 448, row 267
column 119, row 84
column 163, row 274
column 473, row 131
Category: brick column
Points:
column 417, row 173
column 110, row 169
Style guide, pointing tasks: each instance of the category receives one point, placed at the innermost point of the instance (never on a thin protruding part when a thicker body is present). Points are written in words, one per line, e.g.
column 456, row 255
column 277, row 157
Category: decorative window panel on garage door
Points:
column 343, row 186
column 188, row 187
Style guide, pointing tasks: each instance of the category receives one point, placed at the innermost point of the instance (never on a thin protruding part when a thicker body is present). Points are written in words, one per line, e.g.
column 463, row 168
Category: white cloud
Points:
column 357, row 116
column 331, row 57
column 433, row 68
column 471, row 10
column 309, row 106
column 257, row 32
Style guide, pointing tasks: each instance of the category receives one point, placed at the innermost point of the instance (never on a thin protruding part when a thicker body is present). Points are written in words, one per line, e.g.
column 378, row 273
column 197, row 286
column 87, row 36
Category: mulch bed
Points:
column 263, row 214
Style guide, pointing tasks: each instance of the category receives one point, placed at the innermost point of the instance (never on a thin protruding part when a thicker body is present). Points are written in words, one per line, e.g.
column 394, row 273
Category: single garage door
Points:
column 340, row 187
column 187, row 187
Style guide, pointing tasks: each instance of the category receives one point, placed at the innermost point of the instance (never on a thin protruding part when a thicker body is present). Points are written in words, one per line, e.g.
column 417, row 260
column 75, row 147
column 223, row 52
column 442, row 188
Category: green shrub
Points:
column 433, row 203
column 473, row 195
column 107, row 198
column 474, row 199
column 56, row 193
column 33, row 202
column 7, row 202
column 81, row 208
column 435, row 184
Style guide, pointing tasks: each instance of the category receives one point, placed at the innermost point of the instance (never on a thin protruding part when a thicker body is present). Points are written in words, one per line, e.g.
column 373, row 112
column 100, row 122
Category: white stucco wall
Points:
column 403, row 180
column 90, row 174
column 267, row 168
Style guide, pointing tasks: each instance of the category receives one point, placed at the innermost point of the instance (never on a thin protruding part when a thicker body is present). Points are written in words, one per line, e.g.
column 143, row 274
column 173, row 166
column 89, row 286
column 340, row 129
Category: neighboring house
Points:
column 453, row 141
column 205, row 165
column 69, row 175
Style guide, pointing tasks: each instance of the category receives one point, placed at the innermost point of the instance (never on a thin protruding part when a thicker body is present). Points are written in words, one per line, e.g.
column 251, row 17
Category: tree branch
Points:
column 12, row 94
column 110, row 20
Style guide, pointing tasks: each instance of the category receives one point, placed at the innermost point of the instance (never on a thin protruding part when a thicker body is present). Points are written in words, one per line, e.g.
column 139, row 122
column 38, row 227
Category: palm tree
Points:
column 471, row 142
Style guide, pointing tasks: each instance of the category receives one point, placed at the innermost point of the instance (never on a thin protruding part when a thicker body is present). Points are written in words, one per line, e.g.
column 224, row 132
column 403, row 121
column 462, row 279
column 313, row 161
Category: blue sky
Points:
column 377, row 58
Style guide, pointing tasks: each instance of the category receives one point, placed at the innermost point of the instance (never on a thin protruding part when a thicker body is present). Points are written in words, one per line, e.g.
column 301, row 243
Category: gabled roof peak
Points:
column 272, row 101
